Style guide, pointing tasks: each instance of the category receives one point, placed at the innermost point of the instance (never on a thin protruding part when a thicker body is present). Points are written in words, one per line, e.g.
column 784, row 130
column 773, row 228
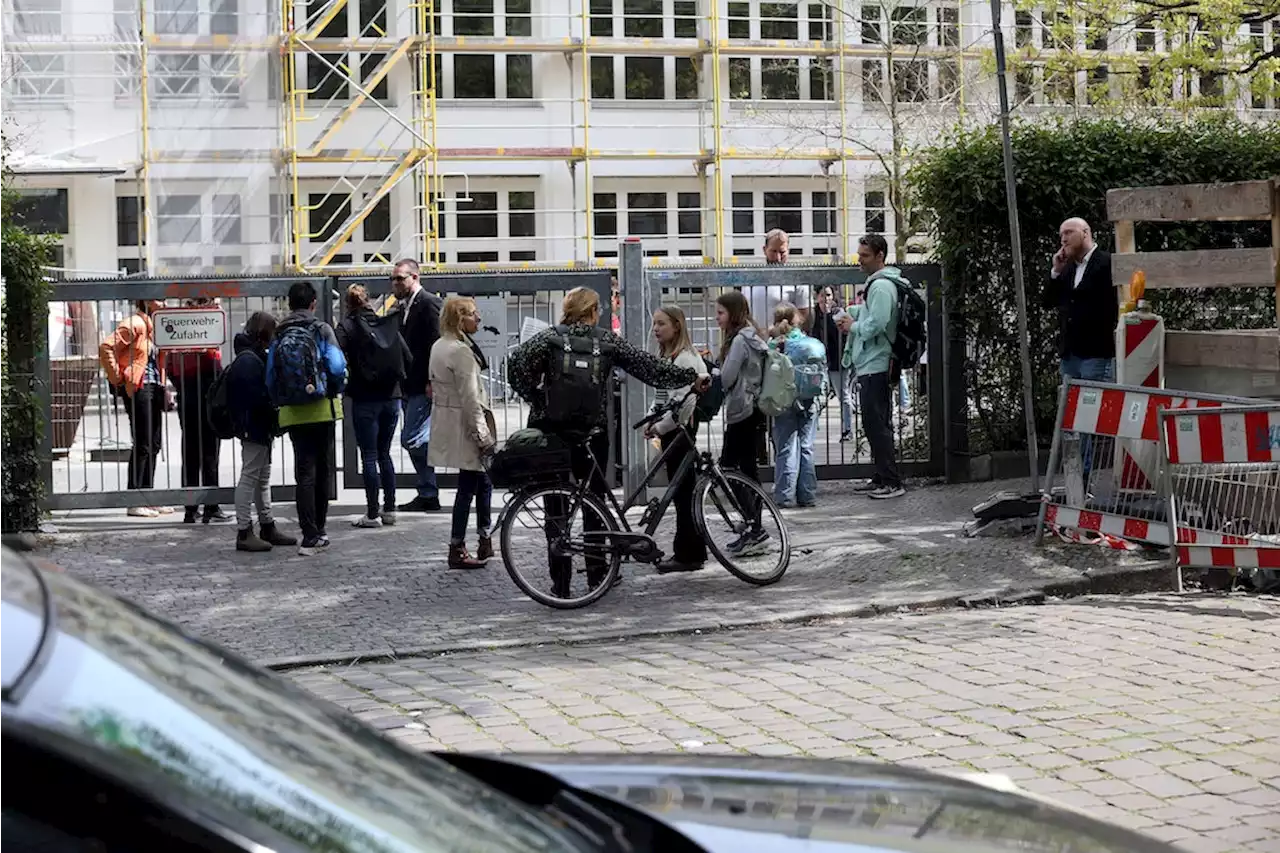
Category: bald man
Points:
column 777, row 248
column 1080, row 288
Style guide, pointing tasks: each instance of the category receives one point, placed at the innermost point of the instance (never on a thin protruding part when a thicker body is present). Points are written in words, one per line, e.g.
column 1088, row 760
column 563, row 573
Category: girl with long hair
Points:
column 742, row 353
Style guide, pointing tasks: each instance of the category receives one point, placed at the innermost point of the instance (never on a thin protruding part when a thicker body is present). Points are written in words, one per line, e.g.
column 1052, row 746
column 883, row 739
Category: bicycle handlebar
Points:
column 658, row 414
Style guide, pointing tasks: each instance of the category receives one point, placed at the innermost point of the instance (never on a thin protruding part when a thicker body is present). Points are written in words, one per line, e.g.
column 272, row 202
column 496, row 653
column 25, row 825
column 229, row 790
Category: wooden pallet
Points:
column 1254, row 349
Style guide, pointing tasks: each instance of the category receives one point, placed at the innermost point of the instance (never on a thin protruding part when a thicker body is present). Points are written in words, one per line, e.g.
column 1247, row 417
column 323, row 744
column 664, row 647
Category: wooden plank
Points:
column 1245, row 349
column 1124, row 245
column 1200, row 268
column 1191, row 202
column 1275, row 240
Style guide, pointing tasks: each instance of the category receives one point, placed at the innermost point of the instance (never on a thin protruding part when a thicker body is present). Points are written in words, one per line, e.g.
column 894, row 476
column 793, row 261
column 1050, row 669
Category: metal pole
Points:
column 635, row 321
column 1015, row 239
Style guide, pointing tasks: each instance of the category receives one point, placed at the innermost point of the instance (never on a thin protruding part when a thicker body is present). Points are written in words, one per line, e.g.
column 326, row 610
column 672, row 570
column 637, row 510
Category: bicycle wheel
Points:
column 758, row 555
column 584, row 573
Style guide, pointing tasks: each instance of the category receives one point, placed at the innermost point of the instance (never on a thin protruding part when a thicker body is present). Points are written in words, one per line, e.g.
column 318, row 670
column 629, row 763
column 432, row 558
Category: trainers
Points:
column 747, row 543
column 388, row 518
column 866, row 486
column 312, row 546
column 369, row 521
column 846, row 436
column 421, row 504
column 141, row 512
column 886, row 492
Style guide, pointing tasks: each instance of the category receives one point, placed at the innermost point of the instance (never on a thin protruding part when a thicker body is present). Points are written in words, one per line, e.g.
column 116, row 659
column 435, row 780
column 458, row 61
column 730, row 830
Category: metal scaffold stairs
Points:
column 325, row 253
column 371, row 81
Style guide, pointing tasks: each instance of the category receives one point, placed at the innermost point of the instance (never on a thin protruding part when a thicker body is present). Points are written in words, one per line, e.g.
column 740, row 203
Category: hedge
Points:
column 1064, row 169
column 23, row 256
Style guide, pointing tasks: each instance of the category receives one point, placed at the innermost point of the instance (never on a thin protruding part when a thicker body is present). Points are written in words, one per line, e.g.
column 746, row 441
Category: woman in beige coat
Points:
column 462, row 429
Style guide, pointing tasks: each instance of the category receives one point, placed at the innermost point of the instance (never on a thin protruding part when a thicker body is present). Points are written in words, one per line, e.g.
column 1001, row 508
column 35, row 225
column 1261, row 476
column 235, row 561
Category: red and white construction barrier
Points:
column 1139, row 361
column 1230, row 436
column 1202, row 557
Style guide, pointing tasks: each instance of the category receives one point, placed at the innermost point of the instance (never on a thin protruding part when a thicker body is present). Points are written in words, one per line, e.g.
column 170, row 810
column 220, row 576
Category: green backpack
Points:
column 778, row 390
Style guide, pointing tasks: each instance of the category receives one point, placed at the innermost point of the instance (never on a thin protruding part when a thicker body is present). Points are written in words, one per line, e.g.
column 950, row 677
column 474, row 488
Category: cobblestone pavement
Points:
column 387, row 591
column 1157, row 712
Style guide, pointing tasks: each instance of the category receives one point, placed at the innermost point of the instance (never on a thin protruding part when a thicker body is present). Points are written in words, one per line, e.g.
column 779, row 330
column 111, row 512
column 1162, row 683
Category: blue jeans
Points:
column 794, row 428
column 414, row 437
column 375, row 424
column 1092, row 369
column 842, row 384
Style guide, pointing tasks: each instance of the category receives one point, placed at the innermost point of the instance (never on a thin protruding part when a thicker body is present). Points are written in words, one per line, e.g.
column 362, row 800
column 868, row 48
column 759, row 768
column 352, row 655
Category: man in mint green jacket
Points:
column 871, row 328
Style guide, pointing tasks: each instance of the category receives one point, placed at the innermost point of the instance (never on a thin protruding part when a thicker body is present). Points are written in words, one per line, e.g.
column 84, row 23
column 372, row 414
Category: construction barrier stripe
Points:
column 1123, row 414
column 1194, row 556
column 1223, row 437
column 1137, row 529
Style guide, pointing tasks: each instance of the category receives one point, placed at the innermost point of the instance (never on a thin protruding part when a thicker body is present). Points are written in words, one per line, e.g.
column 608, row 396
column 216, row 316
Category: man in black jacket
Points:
column 420, row 325
column 1080, row 288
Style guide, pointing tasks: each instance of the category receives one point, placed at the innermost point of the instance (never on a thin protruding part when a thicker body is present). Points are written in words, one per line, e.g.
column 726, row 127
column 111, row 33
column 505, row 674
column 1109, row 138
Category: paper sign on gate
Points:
column 190, row 328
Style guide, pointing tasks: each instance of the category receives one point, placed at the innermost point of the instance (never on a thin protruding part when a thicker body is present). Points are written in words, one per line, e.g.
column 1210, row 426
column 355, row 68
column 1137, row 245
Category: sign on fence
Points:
column 190, row 328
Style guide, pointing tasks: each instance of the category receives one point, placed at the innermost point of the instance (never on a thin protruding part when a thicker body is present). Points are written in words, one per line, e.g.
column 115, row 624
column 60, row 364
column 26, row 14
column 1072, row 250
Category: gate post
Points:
column 635, row 321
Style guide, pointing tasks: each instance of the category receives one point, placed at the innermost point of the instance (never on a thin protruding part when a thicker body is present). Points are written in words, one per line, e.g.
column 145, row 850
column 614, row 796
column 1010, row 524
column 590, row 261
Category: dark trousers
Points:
column 200, row 447
column 688, row 547
column 312, row 467
column 375, row 425
column 473, row 487
column 146, row 424
column 740, row 451
column 875, row 395
column 557, row 510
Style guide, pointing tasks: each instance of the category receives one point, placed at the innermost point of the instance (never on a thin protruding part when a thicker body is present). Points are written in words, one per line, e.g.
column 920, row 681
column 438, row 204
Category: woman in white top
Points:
column 671, row 331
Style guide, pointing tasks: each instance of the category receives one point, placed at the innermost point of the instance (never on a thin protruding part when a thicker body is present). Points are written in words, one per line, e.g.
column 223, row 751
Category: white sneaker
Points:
column 884, row 493
column 366, row 521
column 142, row 512
column 388, row 518
column 162, row 510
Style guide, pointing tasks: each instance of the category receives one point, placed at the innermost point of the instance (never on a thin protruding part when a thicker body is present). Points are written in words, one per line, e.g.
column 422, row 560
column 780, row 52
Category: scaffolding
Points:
column 335, row 135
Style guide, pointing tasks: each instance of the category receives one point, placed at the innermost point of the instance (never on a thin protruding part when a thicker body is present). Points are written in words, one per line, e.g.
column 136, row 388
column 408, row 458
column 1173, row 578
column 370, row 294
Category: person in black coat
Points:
column 840, row 378
column 1080, row 287
column 420, row 325
column 253, row 418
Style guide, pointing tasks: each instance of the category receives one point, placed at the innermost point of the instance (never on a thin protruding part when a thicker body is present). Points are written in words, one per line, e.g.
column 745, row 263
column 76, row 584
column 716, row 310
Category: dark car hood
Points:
column 736, row 803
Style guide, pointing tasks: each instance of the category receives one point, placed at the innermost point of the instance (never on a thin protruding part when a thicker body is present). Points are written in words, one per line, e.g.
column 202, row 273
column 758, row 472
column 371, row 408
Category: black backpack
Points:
column 378, row 350
column 711, row 400
column 218, row 407
column 579, row 369
column 913, row 327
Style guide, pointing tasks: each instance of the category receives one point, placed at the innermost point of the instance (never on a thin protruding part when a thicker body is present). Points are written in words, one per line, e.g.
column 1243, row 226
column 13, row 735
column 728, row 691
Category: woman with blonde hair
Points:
column 567, row 397
column 376, row 360
column 671, row 331
column 462, row 427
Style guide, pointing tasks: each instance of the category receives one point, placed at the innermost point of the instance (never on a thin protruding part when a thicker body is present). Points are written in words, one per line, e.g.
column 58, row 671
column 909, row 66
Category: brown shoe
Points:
column 460, row 559
column 485, row 551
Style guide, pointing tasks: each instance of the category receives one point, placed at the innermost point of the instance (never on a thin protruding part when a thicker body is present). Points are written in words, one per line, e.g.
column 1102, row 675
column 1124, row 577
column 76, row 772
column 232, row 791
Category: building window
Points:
column 473, row 17
column 645, row 78
column 872, row 26
column 911, row 81
column 178, row 220
column 331, row 78
column 780, row 79
column 821, row 23
column 521, row 221
column 524, row 255
column 473, row 76
column 42, row 211
column 602, row 77
column 601, row 14
column 689, row 219
column 744, row 214
column 779, row 21
column 909, row 27
column 872, row 81
column 376, row 227
column 948, row 18
column 642, row 18
column 478, row 219
column 647, row 214
column 605, row 218
column 477, row 257
column 226, row 220
column 686, row 19
column 875, row 210
column 129, row 220
column 36, row 76
column 782, row 210
column 824, row 212
column 196, row 76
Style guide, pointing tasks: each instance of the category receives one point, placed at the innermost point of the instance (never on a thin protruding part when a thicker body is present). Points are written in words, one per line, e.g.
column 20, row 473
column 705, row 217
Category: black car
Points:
column 123, row 733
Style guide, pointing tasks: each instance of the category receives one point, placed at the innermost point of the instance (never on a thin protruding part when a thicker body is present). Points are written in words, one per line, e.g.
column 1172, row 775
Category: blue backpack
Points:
column 298, row 374
column 809, row 358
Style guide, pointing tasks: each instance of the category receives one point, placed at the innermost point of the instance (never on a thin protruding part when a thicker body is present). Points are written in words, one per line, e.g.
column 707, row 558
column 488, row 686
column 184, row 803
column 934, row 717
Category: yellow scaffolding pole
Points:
column 716, row 123
column 432, row 182
column 148, row 209
column 289, row 72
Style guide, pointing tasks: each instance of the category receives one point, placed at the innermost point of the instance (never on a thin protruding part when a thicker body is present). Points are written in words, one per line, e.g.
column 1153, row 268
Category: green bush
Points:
column 25, row 311
column 1065, row 169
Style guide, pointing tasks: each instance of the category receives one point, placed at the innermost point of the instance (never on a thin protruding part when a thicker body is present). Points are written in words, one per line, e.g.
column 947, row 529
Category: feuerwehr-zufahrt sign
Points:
column 190, row 328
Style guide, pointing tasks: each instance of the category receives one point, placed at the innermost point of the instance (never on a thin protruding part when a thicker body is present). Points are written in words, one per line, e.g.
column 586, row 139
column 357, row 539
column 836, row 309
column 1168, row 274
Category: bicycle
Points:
column 607, row 538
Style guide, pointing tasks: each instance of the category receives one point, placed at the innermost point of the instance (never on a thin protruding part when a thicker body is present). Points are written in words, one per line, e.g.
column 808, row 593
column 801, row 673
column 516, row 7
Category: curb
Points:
column 1126, row 581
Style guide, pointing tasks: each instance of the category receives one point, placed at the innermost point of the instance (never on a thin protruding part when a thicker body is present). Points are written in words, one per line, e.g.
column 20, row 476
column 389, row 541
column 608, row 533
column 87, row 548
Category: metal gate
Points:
column 918, row 403
column 513, row 305
column 87, row 444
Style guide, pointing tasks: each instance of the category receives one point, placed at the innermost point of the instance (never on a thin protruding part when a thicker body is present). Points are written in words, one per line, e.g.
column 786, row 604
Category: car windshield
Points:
column 197, row 723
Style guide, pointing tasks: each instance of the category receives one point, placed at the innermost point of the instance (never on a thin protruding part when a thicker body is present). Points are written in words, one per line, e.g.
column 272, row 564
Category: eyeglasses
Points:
column 399, row 278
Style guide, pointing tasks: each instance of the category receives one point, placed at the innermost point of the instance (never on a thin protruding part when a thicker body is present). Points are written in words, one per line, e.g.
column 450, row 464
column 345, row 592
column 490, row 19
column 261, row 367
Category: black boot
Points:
column 246, row 541
column 271, row 533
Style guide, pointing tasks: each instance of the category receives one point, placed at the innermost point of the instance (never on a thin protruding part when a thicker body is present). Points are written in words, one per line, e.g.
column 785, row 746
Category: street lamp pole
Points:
column 1015, row 239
